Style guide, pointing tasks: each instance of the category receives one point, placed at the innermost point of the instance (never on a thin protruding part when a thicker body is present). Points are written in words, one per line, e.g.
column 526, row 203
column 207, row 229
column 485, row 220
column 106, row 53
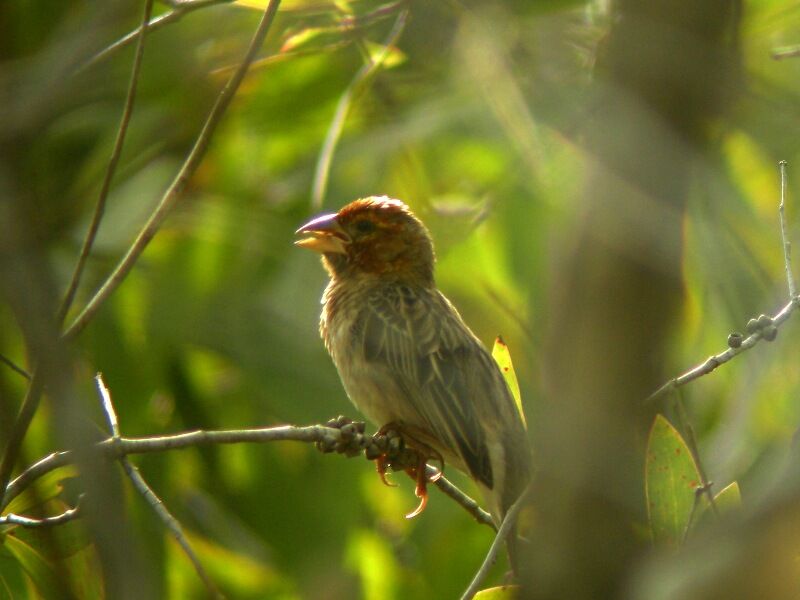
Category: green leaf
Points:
column 502, row 592
column 13, row 583
column 39, row 570
column 727, row 500
column 502, row 356
column 671, row 479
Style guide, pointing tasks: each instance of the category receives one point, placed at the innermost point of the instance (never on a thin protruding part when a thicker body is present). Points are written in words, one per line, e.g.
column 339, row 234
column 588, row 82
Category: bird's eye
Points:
column 365, row 226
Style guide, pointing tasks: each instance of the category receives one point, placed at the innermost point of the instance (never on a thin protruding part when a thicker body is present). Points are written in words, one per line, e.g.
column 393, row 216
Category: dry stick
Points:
column 170, row 197
column 122, row 131
column 179, row 9
column 472, row 507
column 14, row 367
column 68, row 515
column 691, row 440
column 787, row 244
column 49, row 463
column 506, row 529
column 125, row 446
column 343, row 107
column 139, row 483
column 783, row 314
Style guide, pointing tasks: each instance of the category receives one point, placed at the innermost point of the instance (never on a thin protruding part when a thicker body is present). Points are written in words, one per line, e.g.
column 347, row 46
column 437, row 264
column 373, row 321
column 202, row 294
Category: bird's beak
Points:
column 324, row 235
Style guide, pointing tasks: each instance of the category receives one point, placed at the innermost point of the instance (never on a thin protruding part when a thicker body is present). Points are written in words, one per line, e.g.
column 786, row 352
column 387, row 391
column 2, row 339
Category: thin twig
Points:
column 367, row 70
column 14, row 367
column 179, row 10
column 173, row 193
column 115, row 448
column 698, row 493
column 716, row 360
column 30, row 403
column 691, row 441
column 506, row 529
column 67, row 515
column 116, row 152
column 787, row 244
column 472, row 507
column 139, row 483
column 49, row 463
column 788, row 52
column 783, row 314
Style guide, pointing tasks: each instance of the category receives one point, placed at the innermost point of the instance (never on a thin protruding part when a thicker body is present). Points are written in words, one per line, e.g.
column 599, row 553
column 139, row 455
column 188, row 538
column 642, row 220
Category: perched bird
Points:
column 406, row 358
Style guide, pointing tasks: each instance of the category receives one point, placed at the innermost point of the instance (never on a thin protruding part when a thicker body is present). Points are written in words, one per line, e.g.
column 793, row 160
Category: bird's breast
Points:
column 371, row 387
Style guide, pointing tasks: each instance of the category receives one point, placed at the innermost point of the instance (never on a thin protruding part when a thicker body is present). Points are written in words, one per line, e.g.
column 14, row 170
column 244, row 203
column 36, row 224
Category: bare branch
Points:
column 115, row 448
column 141, row 486
column 691, row 440
column 787, row 244
column 66, row 516
column 472, row 507
column 762, row 328
column 14, row 367
column 716, row 360
column 173, row 193
column 122, row 131
column 179, row 10
column 506, row 528
column 343, row 107
column 49, row 463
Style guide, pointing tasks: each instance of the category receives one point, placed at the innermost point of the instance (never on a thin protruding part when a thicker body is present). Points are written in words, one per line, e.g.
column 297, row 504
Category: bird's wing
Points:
column 444, row 372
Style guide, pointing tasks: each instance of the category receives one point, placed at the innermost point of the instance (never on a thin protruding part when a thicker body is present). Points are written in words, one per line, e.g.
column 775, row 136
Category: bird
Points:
column 406, row 358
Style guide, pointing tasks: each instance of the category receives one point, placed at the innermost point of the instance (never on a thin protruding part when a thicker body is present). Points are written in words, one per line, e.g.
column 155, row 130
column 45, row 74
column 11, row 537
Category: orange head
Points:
column 374, row 236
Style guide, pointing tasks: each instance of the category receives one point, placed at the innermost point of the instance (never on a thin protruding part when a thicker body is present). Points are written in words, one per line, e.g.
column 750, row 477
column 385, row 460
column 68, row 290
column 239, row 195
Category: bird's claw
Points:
column 382, row 463
column 393, row 452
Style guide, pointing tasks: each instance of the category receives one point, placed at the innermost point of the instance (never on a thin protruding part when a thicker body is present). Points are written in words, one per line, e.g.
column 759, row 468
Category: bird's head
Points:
column 372, row 236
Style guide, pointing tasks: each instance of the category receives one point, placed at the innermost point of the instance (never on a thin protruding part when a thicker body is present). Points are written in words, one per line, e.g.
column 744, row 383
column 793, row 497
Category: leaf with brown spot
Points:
column 671, row 477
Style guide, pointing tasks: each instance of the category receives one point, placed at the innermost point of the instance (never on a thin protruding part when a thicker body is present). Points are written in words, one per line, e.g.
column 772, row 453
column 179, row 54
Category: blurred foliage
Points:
column 473, row 123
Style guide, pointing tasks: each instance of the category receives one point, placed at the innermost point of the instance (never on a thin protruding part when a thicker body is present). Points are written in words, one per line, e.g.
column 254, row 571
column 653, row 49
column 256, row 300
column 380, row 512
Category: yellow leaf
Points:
column 502, row 356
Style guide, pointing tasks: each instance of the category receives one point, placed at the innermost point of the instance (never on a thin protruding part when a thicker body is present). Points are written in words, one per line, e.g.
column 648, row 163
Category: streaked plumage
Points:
column 403, row 352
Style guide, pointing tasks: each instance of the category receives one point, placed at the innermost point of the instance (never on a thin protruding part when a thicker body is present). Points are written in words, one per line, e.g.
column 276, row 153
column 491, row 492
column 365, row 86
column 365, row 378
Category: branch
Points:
column 170, row 197
column 506, row 529
column 114, row 448
column 762, row 328
column 49, row 463
column 716, row 360
column 31, row 401
column 139, row 483
column 179, row 9
column 691, row 439
column 787, row 245
column 363, row 75
column 99, row 208
column 66, row 516
column 14, row 367
column 467, row 503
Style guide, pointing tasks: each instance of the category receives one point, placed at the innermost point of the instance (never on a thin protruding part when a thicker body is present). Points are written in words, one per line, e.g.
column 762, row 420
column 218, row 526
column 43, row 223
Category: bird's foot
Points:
column 394, row 448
